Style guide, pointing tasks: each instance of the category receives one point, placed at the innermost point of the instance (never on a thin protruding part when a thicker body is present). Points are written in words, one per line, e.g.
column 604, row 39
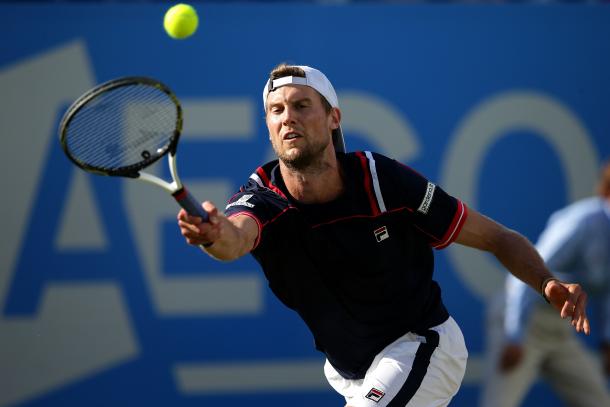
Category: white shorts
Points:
column 413, row 371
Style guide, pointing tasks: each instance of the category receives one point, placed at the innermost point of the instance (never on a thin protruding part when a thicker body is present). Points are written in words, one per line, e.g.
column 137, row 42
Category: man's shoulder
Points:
column 581, row 214
column 258, row 199
column 358, row 154
column 369, row 159
column 261, row 179
column 269, row 166
column 583, row 208
column 260, row 187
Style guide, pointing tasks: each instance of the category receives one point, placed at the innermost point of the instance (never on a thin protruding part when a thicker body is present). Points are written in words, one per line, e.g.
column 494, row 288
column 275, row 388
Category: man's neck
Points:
column 316, row 184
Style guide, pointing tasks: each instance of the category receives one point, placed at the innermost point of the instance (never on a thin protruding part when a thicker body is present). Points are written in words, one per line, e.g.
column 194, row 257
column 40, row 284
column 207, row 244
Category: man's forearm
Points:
column 237, row 236
column 520, row 257
column 512, row 249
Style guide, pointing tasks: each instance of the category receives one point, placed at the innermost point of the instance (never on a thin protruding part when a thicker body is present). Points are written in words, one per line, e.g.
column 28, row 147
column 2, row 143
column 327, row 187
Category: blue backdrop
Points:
column 102, row 303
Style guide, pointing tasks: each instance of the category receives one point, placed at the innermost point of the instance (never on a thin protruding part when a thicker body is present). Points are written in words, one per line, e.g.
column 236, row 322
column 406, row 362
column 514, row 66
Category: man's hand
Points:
column 222, row 238
column 195, row 231
column 571, row 301
column 511, row 356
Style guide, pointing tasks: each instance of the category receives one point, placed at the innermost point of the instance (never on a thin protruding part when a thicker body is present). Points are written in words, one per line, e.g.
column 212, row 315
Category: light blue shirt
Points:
column 575, row 246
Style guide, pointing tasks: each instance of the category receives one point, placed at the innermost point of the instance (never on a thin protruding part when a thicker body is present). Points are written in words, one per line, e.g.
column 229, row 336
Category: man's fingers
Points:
column 189, row 227
column 182, row 215
column 568, row 308
column 587, row 327
column 570, row 294
column 578, row 299
column 212, row 211
column 197, row 232
column 574, row 306
column 580, row 313
column 579, row 324
column 564, row 310
column 209, row 206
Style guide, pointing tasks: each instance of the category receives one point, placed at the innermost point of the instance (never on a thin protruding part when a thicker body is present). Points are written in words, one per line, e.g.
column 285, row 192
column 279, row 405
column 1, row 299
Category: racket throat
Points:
column 180, row 194
column 170, row 187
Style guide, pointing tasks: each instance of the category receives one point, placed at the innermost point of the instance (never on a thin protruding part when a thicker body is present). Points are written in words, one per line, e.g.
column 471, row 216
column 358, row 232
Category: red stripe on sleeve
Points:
column 453, row 231
column 368, row 183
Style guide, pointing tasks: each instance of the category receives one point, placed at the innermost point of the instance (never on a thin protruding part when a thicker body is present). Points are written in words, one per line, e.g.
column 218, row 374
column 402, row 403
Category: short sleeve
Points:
column 438, row 215
column 259, row 203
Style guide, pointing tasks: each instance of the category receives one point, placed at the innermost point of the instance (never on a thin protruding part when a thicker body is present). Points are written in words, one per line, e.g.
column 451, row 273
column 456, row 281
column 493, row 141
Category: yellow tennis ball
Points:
column 181, row 21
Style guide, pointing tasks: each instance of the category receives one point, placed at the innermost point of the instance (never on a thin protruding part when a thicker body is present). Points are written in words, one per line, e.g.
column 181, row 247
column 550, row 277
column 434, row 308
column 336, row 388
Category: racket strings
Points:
column 123, row 128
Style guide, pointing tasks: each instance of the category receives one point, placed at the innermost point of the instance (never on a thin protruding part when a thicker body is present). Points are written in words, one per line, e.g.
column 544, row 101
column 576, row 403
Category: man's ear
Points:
column 335, row 114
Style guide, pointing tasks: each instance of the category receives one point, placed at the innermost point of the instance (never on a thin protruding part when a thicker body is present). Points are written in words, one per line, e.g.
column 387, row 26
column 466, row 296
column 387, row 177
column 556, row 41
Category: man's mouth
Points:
column 291, row 136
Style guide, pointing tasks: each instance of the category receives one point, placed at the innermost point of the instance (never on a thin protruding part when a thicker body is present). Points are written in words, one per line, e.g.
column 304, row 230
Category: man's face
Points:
column 299, row 127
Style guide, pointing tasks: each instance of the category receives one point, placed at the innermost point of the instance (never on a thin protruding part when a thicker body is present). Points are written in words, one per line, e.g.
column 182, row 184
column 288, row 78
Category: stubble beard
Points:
column 307, row 158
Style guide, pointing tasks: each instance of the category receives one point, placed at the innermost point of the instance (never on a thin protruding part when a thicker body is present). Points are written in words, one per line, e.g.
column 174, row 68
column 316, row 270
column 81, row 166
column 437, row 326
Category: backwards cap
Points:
column 316, row 80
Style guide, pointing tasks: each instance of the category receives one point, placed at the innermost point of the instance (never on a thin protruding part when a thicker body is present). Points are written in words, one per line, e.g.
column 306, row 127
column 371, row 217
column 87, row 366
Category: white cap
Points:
column 318, row 81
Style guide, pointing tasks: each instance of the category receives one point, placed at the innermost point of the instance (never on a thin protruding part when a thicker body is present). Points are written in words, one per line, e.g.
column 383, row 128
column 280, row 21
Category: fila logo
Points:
column 242, row 201
column 381, row 233
column 375, row 395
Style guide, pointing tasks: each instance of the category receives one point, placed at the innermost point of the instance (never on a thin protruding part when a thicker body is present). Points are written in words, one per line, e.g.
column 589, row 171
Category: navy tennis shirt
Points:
column 358, row 269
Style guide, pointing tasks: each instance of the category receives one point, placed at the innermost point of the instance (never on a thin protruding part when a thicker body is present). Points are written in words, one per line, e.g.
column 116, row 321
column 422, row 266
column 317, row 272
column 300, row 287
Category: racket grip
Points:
column 190, row 204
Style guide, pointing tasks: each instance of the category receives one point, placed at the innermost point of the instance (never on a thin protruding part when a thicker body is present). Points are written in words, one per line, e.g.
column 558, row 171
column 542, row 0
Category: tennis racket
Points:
column 123, row 126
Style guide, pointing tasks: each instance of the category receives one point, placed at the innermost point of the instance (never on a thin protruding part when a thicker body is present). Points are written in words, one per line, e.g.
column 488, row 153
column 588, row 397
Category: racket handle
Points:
column 190, row 204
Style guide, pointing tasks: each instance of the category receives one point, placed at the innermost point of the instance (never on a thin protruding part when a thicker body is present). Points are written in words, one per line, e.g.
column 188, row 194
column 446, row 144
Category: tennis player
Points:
column 346, row 240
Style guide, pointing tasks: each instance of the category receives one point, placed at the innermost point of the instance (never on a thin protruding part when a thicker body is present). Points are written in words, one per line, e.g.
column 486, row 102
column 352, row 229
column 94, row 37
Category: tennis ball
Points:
column 181, row 21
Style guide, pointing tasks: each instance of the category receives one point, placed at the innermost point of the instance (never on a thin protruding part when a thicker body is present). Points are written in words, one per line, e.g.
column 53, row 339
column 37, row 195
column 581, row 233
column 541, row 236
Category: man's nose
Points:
column 288, row 116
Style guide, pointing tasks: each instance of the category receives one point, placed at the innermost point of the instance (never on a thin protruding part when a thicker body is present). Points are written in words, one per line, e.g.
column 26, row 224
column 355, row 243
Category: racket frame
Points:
column 175, row 188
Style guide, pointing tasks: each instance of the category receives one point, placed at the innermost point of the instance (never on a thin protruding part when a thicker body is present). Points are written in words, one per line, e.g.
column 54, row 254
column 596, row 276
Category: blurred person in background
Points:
column 528, row 340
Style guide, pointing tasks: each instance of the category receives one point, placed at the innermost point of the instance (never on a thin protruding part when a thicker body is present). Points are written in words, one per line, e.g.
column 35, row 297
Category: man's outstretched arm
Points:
column 222, row 238
column 521, row 259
